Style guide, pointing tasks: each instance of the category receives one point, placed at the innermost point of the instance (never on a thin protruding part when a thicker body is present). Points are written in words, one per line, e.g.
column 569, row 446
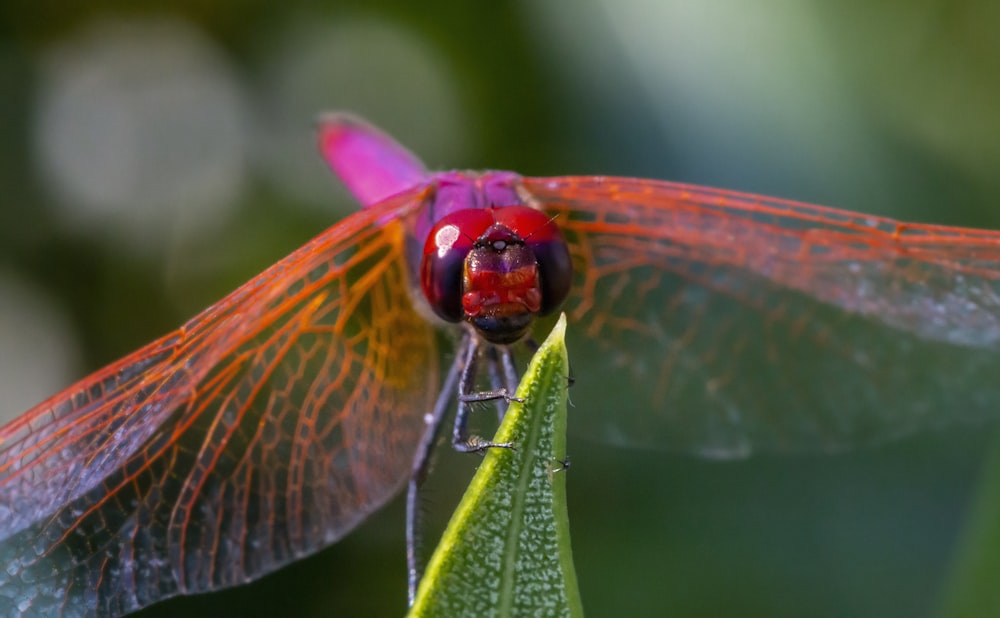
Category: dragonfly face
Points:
column 495, row 268
column 272, row 423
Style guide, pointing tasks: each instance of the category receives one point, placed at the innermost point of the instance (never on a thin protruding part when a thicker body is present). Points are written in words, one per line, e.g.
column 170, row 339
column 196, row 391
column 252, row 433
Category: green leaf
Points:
column 506, row 551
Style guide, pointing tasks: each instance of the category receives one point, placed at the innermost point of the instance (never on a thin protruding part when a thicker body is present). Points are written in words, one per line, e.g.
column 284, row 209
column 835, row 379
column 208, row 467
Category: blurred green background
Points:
column 152, row 158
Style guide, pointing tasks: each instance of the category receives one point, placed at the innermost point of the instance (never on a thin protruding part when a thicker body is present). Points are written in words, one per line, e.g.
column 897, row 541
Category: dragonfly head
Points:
column 496, row 268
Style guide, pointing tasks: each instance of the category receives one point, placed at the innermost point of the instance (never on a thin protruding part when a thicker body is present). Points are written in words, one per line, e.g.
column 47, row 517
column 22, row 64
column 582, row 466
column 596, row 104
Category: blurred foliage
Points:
column 972, row 589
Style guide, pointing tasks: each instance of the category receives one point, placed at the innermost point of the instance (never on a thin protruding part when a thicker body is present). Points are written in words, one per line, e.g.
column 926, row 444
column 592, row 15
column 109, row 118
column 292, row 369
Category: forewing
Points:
column 262, row 430
column 721, row 322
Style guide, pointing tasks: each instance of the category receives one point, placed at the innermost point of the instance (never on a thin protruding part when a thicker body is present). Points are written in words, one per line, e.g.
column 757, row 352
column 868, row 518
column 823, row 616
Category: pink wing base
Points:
column 369, row 162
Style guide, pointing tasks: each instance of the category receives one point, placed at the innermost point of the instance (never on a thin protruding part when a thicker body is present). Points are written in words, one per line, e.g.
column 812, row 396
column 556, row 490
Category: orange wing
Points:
column 729, row 322
column 262, row 430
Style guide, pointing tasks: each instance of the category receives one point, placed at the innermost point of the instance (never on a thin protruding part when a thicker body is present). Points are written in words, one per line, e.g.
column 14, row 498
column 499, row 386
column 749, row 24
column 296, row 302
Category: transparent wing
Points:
column 262, row 430
column 721, row 322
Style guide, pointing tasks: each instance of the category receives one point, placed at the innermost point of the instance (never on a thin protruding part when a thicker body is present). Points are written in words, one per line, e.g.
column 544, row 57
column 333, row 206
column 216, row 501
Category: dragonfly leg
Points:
column 496, row 380
column 460, row 438
column 531, row 344
column 509, row 370
column 421, row 466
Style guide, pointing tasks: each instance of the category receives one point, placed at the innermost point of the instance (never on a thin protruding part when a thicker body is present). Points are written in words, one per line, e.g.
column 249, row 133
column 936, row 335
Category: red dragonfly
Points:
column 271, row 424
